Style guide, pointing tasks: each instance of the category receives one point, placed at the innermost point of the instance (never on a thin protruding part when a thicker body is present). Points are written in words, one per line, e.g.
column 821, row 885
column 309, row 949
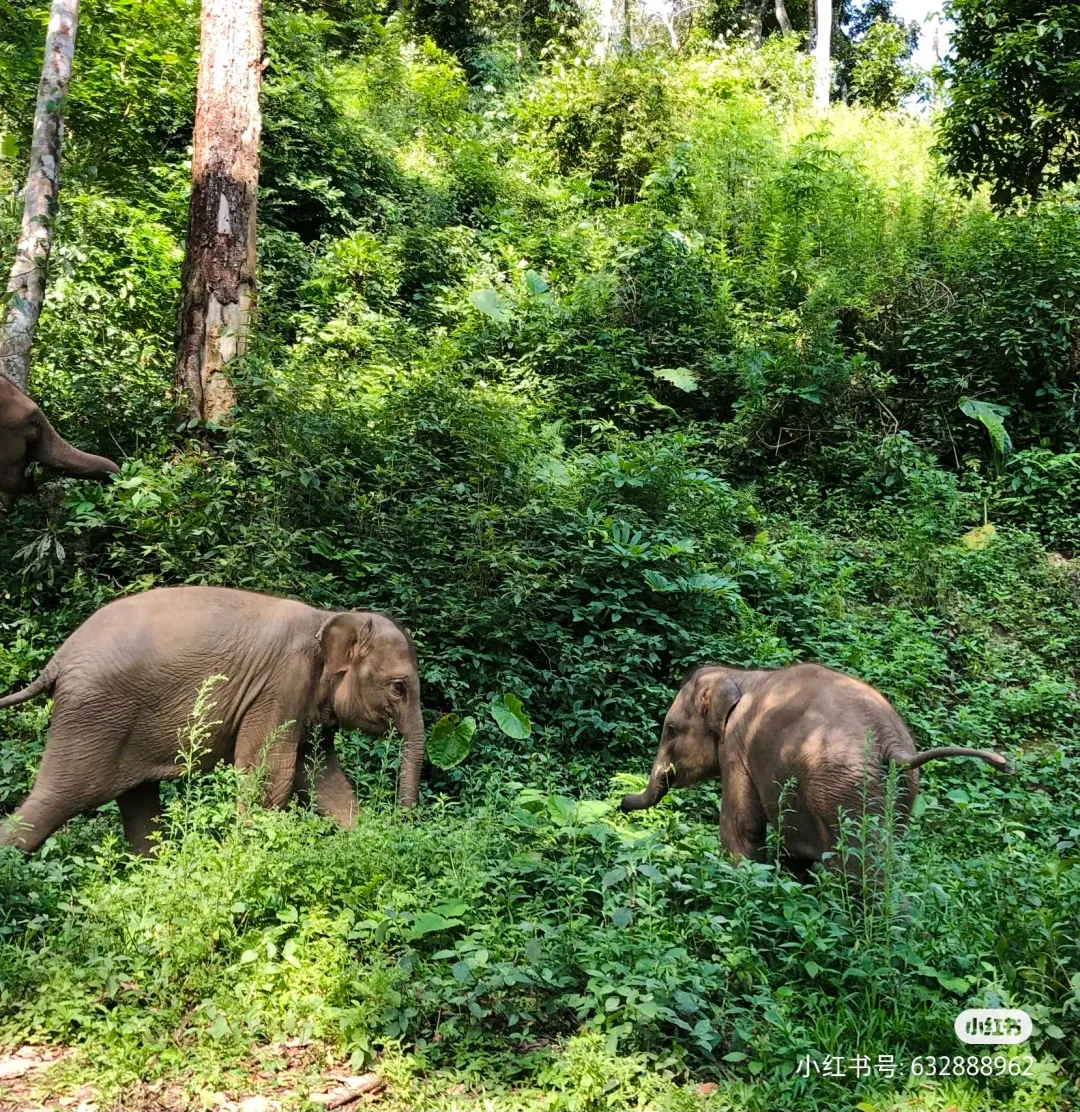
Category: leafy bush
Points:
column 589, row 375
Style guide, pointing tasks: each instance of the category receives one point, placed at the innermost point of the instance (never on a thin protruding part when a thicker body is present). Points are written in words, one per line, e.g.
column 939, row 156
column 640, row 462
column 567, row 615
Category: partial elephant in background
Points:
column 125, row 681
column 26, row 436
column 757, row 731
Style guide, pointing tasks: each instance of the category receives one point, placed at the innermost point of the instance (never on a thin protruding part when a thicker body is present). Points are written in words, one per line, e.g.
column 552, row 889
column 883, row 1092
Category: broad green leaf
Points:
column 567, row 812
column 9, row 148
column 977, row 539
column 535, row 282
column 450, row 740
column 490, row 304
column 714, row 584
column 553, row 471
column 1054, row 1031
column 657, row 581
column 622, row 917
column 682, row 378
column 510, row 717
column 589, row 810
column 991, row 415
column 451, row 908
column 735, row 1056
column 429, row 922
column 462, row 971
column 954, row 984
column 613, row 876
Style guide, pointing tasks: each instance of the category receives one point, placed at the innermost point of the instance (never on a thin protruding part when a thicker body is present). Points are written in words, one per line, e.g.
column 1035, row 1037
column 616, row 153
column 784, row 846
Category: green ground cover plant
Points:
column 588, row 373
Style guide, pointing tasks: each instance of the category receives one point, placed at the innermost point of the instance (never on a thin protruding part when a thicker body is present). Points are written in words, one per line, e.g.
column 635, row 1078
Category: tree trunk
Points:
column 26, row 285
column 219, row 263
column 782, row 17
column 822, row 55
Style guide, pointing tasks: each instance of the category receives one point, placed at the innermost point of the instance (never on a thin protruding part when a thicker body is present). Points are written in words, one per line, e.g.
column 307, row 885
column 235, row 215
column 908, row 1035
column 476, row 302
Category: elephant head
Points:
column 370, row 678
column 26, row 435
column 693, row 732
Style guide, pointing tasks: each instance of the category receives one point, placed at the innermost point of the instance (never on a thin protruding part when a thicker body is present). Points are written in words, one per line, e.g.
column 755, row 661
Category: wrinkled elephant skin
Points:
column 26, row 436
column 125, row 681
column 827, row 735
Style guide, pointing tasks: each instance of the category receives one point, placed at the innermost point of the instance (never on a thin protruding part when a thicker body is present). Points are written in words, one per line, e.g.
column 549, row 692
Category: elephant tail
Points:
column 41, row 686
column 994, row 759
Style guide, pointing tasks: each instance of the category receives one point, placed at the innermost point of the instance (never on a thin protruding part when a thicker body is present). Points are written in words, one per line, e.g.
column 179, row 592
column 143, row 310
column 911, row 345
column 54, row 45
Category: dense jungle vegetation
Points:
column 588, row 371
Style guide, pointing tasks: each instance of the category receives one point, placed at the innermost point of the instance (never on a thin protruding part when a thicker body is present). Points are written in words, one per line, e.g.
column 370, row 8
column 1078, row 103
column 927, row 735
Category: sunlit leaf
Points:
column 680, row 377
column 490, row 304
column 978, row 538
column 535, row 282
column 992, row 416
column 429, row 922
column 510, row 717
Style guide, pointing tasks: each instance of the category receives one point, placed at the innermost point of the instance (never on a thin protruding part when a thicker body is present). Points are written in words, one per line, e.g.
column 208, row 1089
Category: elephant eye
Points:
column 399, row 689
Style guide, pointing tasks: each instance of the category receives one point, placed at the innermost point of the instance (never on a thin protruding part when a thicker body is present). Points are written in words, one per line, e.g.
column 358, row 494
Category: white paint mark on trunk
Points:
column 823, row 55
column 224, row 224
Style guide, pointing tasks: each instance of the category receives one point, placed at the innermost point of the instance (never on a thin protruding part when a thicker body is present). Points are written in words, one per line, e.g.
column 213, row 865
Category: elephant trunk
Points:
column 411, row 728
column 55, row 452
column 655, row 790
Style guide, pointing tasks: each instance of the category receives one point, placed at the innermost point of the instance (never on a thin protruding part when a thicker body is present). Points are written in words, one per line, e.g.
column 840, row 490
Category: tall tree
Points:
column 823, row 54
column 26, row 284
column 1013, row 118
column 219, row 263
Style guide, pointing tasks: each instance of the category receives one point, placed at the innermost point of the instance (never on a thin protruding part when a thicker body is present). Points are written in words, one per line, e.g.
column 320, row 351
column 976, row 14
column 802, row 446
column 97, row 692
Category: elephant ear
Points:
column 717, row 697
column 344, row 638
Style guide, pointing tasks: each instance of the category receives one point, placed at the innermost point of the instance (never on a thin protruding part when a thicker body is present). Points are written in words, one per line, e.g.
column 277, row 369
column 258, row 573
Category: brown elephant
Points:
column 757, row 731
column 124, row 684
column 26, row 435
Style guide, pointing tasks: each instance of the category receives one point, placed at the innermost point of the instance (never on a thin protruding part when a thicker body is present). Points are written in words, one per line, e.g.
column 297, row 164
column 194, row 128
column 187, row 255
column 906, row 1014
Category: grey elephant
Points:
column 26, row 436
column 124, row 683
column 757, row 731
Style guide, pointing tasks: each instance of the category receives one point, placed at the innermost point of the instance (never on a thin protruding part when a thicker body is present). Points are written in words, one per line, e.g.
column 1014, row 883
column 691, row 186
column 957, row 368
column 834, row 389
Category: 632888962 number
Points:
column 944, row 1065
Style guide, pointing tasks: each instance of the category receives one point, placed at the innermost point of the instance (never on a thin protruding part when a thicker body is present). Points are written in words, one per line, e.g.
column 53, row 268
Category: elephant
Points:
column 125, row 681
column 833, row 735
column 26, row 435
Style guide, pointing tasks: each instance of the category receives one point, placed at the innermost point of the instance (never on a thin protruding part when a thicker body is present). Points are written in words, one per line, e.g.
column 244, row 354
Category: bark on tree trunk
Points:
column 822, row 55
column 219, row 263
column 782, row 17
column 26, row 285
column 757, row 21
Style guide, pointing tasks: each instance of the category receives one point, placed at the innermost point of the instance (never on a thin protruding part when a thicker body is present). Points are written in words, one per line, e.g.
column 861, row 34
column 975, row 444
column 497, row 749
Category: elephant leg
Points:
column 41, row 814
column 67, row 784
column 743, row 822
column 321, row 777
column 268, row 741
column 140, row 808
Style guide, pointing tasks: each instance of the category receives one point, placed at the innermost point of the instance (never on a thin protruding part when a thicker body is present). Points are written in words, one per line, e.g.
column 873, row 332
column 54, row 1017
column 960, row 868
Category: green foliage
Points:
column 589, row 373
column 993, row 418
column 1013, row 118
column 450, row 741
column 881, row 72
